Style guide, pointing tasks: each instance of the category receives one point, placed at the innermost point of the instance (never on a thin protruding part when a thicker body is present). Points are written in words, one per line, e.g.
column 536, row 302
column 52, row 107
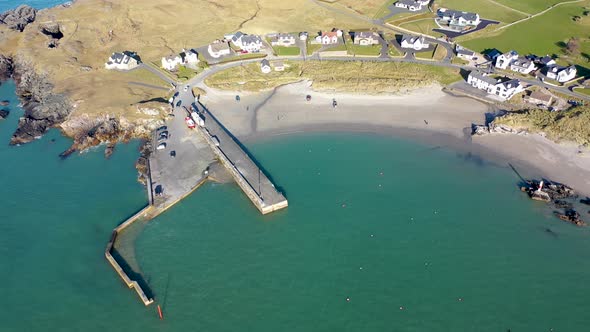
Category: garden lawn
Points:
column 285, row 51
column 485, row 8
column 424, row 26
column 372, row 50
column 538, row 36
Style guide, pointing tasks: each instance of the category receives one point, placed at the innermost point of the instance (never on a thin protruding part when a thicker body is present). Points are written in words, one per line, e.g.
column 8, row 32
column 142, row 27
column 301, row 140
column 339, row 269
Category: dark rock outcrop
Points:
column 6, row 67
column 43, row 108
column 4, row 114
column 53, row 31
column 19, row 18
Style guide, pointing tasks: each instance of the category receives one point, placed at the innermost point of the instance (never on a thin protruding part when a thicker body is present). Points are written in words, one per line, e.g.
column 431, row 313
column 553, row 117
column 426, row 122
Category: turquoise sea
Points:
column 39, row 4
column 416, row 238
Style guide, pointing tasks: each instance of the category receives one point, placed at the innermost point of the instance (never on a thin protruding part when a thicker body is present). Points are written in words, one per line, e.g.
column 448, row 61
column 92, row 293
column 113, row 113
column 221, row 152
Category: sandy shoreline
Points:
column 427, row 115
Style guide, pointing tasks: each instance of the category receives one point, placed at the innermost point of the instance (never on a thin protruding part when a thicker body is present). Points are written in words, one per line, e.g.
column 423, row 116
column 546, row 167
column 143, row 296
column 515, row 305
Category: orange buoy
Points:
column 160, row 312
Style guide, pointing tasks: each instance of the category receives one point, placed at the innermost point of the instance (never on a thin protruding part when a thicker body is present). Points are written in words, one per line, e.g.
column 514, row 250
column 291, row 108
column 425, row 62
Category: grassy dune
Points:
column 93, row 29
column 572, row 125
column 356, row 77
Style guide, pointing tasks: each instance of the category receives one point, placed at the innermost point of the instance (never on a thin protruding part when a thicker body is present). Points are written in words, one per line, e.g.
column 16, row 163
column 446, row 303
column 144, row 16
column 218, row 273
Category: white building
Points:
column 218, row 49
column 464, row 53
column 366, row 38
column 248, row 43
column 303, row 36
column 503, row 61
column 502, row 88
column 522, row 65
column 122, row 61
column 411, row 5
column 414, row 42
column 561, row 74
column 458, row 18
column 191, row 57
column 171, row 62
column 328, row 38
column 265, row 66
column 283, row 39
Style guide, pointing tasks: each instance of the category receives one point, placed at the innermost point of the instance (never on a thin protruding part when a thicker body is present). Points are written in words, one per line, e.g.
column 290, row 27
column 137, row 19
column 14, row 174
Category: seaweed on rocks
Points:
column 4, row 113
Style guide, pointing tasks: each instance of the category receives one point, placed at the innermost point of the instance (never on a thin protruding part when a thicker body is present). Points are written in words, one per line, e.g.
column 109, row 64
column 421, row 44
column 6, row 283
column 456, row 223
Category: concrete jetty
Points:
column 255, row 184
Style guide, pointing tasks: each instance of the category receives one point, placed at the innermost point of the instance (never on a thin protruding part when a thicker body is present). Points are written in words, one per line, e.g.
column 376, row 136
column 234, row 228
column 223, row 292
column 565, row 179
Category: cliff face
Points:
column 43, row 108
column 19, row 18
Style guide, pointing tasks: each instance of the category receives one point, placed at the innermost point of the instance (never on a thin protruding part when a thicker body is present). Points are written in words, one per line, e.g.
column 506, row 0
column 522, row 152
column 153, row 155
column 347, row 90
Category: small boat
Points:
column 334, row 103
column 237, row 98
column 308, row 97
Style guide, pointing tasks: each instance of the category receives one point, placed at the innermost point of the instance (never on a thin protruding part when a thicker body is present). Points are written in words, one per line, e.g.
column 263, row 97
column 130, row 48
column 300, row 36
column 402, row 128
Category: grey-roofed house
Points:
column 122, row 61
column 504, row 60
column 265, row 66
column 464, row 53
column 218, row 49
column 458, row 18
column 411, row 5
column 480, row 80
column 248, row 43
column 502, row 88
column 414, row 42
column 560, row 74
column 283, row 39
column 539, row 98
column 366, row 38
column 522, row 65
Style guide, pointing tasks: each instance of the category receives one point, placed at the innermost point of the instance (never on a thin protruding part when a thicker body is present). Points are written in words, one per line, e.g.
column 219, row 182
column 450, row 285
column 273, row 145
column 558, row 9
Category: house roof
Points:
column 456, row 14
column 408, row 2
column 251, row 39
column 540, row 96
column 464, row 51
column 329, row 34
column 366, row 34
column 509, row 84
column 511, row 54
column 285, row 36
column 483, row 77
column 264, row 63
column 412, row 39
column 522, row 62
column 237, row 36
column 216, row 47
column 557, row 69
column 171, row 57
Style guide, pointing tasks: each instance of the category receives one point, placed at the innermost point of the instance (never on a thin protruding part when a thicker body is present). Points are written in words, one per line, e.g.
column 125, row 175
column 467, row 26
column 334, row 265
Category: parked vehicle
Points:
column 308, row 97
column 173, row 153
column 162, row 139
column 186, row 88
column 237, row 98
column 161, row 146
column 215, row 140
column 162, row 128
column 179, row 103
column 163, row 134
column 189, row 122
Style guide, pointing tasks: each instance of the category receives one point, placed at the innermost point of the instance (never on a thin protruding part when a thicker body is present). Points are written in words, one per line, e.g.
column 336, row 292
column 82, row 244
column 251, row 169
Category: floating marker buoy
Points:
column 460, row 299
column 401, row 308
column 372, row 235
column 343, row 205
column 348, row 299
column 360, row 268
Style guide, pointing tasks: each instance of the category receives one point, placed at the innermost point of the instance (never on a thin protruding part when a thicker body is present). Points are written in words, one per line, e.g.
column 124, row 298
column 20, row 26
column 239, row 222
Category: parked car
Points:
column 179, row 103
column 162, row 128
column 164, row 133
column 173, row 153
column 161, row 146
column 162, row 139
column 186, row 88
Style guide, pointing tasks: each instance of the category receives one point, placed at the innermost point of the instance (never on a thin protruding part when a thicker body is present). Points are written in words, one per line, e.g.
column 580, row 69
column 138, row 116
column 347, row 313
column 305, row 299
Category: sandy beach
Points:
column 427, row 115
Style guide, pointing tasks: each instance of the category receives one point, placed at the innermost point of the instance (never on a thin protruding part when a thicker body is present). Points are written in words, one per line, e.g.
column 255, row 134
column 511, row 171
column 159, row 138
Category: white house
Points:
column 283, row 39
column 503, row 88
column 190, row 57
column 504, row 60
column 171, row 62
column 327, row 38
column 218, row 49
column 464, row 53
column 561, row 74
column 249, row 43
column 366, row 38
column 413, row 42
column 411, row 5
column 265, row 66
column 458, row 18
column 303, row 36
column 522, row 65
column 122, row 61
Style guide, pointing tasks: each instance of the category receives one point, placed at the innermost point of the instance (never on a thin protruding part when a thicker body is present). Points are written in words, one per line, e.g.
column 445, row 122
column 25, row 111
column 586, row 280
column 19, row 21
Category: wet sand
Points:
column 427, row 115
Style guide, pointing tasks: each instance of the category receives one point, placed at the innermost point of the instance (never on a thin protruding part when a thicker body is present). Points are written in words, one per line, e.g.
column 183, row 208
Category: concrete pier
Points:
column 255, row 184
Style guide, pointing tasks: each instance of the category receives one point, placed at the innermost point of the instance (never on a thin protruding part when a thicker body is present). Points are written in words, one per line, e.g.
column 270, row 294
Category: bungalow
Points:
column 464, row 53
column 503, row 88
column 278, row 65
column 283, row 39
column 327, row 38
column 250, row 43
column 522, row 65
column 122, row 61
column 303, row 36
column 504, row 60
column 539, row 98
column 541, row 61
column 265, row 66
column 218, row 49
column 366, row 38
column 171, row 62
column 411, row 5
column 458, row 18
column 560, row 74
column 414, row 42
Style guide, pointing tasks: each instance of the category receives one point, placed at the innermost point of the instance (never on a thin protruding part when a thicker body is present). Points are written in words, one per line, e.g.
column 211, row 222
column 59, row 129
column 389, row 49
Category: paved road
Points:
column 157, row 73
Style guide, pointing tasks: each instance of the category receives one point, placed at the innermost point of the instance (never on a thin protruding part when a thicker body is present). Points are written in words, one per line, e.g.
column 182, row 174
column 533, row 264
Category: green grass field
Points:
column 286, row 51
column 530, row 6
column 243, row 57
column 311, row 48
column 538, row 36
column 372, row 50
column 486, row 9
column 394, row 51
column 585, row 91
column 424, row 26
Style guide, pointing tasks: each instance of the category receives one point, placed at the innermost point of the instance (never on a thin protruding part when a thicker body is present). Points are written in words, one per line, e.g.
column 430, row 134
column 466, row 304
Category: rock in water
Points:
column 19, row 18
column 4, row 114
column 6, row 67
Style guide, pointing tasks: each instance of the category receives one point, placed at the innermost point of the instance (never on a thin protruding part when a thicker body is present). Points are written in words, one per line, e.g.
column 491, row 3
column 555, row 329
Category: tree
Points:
column 573, row 46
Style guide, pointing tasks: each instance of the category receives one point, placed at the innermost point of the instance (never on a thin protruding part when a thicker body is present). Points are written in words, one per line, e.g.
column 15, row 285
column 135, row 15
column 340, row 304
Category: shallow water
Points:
column 38, row 4
column 418, row 239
